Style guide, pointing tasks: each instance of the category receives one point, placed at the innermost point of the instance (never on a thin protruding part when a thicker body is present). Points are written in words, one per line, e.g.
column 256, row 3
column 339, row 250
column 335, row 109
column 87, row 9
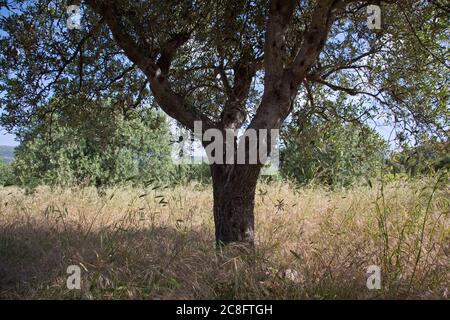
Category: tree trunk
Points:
column 234, row 200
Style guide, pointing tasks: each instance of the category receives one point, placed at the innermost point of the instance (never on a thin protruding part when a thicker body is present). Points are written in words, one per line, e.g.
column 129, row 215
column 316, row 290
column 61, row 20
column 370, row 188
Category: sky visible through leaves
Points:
column 386, row 131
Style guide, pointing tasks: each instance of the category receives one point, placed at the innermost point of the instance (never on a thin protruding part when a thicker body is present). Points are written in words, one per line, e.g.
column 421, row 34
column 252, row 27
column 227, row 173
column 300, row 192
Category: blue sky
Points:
column 7, row 139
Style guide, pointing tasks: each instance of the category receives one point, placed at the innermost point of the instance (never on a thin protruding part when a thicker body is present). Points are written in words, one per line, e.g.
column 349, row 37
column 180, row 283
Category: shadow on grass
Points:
column 119, row 262
column 178, row 262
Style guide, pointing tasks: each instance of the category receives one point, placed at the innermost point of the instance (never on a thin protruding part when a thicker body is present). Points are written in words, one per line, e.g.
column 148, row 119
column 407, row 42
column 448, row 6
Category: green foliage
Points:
column 6, row 176
column 427, row 157
column 400, row 70
column 185, row 173
column 103, row 147
column 331, row 153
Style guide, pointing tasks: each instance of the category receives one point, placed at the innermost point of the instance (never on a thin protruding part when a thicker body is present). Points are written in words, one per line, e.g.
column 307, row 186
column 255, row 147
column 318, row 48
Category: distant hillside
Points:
column 7, row 153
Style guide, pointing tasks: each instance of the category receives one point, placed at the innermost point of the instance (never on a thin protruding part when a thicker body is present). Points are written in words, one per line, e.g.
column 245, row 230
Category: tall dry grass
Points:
column 157, row 243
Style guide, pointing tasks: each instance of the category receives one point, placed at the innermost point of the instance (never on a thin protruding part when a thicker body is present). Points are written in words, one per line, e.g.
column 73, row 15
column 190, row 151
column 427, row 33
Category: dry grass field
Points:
column 158, row 243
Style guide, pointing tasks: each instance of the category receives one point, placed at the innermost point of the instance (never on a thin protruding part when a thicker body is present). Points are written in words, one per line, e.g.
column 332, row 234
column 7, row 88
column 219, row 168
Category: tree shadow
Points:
column 34, row 258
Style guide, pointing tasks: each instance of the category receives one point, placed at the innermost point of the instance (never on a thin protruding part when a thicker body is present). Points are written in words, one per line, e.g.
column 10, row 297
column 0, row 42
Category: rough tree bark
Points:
column 234, row 202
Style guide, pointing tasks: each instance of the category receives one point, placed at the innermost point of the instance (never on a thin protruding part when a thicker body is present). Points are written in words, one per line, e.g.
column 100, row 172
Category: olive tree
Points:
column 233, row 65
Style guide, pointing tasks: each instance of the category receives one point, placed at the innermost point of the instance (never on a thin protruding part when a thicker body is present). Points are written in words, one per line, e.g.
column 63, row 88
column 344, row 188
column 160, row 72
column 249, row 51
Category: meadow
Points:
column 157, row 242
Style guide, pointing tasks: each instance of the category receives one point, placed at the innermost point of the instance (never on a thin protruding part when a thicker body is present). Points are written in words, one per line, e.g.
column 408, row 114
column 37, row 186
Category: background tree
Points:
column 232, row 64
column 426, row 157
column 6, row 176
column 101, row 147
column 332, row 153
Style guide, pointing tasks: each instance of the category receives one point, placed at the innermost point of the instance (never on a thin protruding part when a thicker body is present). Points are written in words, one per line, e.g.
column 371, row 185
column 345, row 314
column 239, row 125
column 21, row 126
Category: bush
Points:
column 6, row 174
column 427, row 157
column 331, row 153
column 105, row 148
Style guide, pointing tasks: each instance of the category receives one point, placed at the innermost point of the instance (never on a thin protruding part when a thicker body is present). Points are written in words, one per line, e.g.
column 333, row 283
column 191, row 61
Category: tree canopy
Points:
column 210, row 60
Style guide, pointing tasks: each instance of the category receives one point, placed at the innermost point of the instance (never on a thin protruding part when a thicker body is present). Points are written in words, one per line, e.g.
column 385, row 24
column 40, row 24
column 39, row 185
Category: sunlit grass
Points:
column 158, row 243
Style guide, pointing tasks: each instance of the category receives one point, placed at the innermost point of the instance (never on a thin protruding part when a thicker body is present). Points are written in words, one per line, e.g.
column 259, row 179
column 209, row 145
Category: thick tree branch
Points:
column 169, row 49
column 281, row 83
column 234, row 113
column 172, row 103
column 315, row 38
column 280, row 15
